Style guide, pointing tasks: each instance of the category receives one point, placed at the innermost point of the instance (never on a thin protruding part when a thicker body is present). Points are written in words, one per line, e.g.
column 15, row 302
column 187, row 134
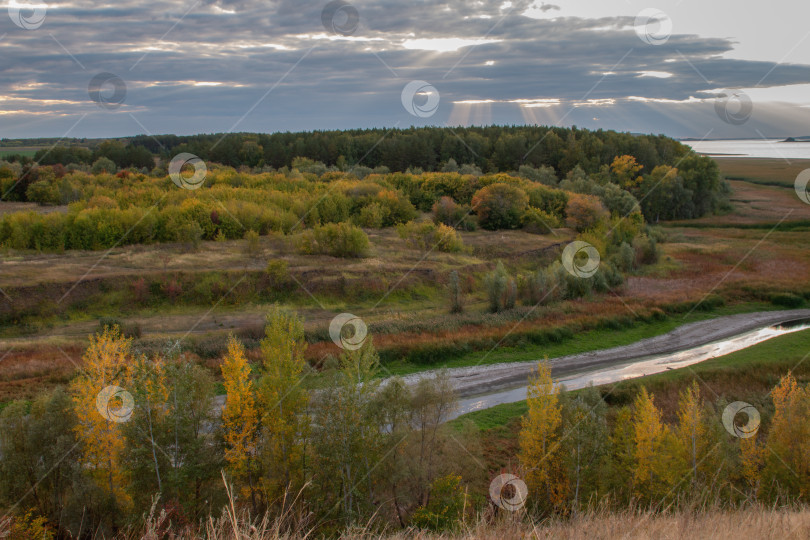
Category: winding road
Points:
column 478, row 380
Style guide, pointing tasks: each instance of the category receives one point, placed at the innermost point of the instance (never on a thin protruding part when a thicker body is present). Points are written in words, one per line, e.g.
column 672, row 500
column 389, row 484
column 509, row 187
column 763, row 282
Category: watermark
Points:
column 100, row 87
column 508, row 491
column 752, row 424
column 340, row 18
column 653, row 26
column 115, row 404
column 734, row 109
column 428, row 102
column 194, row 181
column 801, row 186
column 580, row 259
column 349, row 340
column 27, row 16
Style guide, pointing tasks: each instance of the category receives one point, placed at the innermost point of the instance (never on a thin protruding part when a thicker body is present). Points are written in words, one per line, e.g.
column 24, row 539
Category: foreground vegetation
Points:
column 140, row 437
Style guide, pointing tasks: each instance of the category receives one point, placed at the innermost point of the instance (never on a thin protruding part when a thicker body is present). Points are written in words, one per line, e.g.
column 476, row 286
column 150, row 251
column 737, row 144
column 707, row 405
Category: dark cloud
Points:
column 277, row 58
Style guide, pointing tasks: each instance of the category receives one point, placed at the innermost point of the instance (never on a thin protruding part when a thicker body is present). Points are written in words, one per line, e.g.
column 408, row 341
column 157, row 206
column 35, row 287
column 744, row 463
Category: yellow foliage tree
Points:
column 283, row 403
column 540, row 439
column 752, row 456
column 98, row 414
column 787, row 464
column 626, row 170
column 652, row 449
column 697, row 450
column 240, row 420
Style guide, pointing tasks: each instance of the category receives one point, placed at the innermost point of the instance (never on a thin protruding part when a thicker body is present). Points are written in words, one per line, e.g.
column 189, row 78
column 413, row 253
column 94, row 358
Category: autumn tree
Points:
column 500, row 206
column 787, row 463
column 283, row 403
column 618, row 475
column 584, row 212
column 240, row 420
column 625, row 169
column 100, row 402
column 540, row 450
column 652, row 450
column 697, row 438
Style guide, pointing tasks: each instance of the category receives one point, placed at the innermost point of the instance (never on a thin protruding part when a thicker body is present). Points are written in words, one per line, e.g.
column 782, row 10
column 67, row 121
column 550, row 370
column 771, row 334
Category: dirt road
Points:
column 476, row 380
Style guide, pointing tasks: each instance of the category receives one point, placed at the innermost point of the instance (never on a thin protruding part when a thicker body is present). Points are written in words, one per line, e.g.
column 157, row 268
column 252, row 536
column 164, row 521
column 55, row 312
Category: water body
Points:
column 640, row 367
column 753, row 148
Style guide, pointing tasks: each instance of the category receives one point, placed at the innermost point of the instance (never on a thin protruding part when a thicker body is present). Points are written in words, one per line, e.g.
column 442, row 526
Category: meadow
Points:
column 448, row 267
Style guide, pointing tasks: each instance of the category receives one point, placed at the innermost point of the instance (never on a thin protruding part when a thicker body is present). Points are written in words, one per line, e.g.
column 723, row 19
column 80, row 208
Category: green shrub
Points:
column 646, row 249
column 625, row 257
column 336, row 239
column 458, row 216
column 278, row 274
column 189, row 233
column 788, row 300
column 444, row 510
column 500, row 206
column 371, row 216
column 538, row 222
column 427, row 236
column 43, row 192
column 103, row 165
column 500, row 288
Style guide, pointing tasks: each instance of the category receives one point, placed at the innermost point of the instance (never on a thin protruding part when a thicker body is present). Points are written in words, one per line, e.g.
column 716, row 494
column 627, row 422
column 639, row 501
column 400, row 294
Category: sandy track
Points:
column 482, row 379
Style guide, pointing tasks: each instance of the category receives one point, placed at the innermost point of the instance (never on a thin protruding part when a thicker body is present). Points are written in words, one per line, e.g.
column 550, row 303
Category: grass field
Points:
column 764, row 171
column 21, row 151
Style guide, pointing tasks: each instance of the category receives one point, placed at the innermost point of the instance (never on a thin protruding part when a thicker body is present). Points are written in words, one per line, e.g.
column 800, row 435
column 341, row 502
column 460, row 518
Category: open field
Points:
column 765, row 171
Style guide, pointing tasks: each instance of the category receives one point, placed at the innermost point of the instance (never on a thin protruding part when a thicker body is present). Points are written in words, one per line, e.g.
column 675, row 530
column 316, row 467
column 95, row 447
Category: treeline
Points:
column 575, row 450
column 677, row 183
column 492, row 149
column 134, row 432
column 134, row 436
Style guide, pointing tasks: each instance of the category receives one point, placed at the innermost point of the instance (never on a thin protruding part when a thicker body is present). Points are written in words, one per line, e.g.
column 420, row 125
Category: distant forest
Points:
column 493, row 149
column 685, row 184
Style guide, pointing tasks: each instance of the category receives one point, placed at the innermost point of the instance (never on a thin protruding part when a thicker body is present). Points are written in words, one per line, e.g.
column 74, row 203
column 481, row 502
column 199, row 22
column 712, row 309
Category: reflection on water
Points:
column 639, row 367
column 760, row 148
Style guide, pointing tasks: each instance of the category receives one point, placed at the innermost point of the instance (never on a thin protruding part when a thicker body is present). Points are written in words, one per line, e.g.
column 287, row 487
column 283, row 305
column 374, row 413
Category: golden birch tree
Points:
column 787, row 462
column 540, row 437
column 652, row 449
column 101, row 404
column 240, row 419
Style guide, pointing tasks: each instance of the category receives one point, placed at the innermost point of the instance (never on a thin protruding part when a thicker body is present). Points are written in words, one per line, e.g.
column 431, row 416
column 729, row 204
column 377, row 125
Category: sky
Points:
column 684, row 68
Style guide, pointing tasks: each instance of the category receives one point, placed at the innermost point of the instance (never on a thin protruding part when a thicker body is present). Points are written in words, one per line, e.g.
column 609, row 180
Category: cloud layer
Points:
column 245, row 65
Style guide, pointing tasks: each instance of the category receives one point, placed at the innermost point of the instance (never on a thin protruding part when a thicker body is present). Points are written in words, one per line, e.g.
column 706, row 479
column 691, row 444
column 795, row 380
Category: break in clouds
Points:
column 213, row 66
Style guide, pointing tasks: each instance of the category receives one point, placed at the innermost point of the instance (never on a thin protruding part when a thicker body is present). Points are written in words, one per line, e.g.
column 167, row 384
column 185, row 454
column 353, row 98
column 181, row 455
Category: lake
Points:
column 755, row 148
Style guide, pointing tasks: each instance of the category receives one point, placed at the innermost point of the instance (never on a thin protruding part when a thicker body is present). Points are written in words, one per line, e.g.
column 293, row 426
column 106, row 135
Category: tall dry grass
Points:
column 753, row 523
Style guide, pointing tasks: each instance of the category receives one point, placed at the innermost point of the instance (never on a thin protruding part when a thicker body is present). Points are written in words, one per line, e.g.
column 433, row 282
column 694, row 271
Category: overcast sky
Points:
column 96, row 69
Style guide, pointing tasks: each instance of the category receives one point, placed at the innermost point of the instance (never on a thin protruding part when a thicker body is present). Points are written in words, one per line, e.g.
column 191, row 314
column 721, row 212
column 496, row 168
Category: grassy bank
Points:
column 608, row 335
column 747, row 375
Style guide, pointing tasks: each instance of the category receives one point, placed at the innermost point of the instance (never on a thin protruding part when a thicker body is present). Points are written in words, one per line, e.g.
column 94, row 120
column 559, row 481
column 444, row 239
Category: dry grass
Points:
column 768, row 169
column 754, row 523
